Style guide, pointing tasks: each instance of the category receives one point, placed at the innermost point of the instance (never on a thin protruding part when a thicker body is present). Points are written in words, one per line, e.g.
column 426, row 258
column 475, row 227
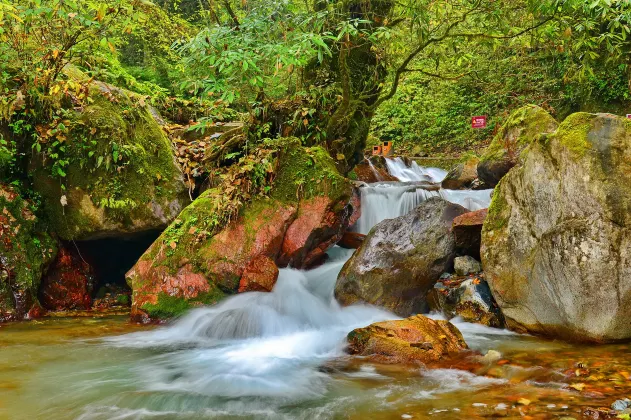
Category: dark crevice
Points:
column 111, row 258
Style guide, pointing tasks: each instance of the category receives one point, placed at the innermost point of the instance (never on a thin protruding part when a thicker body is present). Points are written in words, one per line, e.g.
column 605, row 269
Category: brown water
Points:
column 67, row 369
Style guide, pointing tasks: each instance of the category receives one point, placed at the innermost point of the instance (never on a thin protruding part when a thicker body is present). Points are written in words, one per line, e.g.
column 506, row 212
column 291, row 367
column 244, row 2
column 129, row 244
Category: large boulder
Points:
column 522, row 127
column 417, row 340
column 122, row 177
column 25, row 252
column 373, row 169
column 401, row 259
column 198, row 259
column 556, row 246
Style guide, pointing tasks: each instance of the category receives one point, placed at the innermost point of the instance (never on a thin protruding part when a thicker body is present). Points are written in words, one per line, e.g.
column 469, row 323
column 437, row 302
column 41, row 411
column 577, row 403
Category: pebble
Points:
column 551, row 406
column 478, row 405
column 492, row 356
column 406, row 416
column 501, row 406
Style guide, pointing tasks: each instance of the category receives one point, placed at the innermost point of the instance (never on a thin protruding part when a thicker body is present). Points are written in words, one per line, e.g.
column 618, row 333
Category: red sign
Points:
column 478, row 122
column 629, row 116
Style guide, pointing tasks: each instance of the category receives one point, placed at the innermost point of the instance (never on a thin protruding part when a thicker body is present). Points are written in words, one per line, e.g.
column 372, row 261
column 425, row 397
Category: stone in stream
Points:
column 556, row 246
column 26, row 250
column 187, row 265
column 462, row 175
column 401, row 259
column 373, row 169
column 415, row 340
column 468, row 298
column 69, row 282
column 521, row 128
column 351, row 240
column 466, row 265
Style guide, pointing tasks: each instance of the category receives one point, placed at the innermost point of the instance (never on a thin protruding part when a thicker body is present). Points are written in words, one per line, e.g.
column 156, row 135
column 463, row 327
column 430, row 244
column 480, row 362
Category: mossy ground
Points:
column 172, row 306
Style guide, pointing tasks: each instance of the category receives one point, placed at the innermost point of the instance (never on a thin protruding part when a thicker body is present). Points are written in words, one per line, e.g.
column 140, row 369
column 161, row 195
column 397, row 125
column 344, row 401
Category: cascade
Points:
column 273, row 345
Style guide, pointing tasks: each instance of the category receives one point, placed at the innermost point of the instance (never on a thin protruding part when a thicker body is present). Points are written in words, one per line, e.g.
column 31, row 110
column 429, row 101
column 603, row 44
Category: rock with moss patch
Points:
column 417, row 340
column 462, row 175
column 307, row 210
column 401, row 259
column 25, row 252
column 555, row 245
column 123, row 177
column 522, row 127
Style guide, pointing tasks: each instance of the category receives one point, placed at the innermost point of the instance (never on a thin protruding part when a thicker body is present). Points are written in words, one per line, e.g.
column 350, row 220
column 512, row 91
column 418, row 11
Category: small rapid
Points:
column 388, row 200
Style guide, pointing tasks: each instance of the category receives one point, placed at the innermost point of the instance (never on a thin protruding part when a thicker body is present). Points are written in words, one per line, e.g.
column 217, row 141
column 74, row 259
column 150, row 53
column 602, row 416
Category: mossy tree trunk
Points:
column 357, row 72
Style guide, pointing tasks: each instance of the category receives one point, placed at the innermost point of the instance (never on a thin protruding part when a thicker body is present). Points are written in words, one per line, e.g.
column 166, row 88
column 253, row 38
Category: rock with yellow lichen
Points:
column 417, row 340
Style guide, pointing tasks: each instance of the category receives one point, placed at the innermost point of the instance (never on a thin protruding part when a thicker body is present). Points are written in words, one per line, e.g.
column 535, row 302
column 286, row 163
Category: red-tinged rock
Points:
column 320, row 224
column 467, row 230
column 68, row 283
column 259, row 276
column 36, row 312
column 351, row 240
column 373, row 171
column 356, row 206
column 417, row 340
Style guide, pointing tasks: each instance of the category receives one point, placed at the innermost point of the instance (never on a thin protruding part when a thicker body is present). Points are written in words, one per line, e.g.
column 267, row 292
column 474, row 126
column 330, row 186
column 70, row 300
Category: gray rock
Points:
column 401, row 259
column 471, row 300
column 466, row 265
column 621, row 405
column 556, row 245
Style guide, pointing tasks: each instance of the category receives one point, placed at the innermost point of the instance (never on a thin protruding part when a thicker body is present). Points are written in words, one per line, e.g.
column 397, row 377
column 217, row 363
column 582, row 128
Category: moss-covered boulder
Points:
column 401, row 259
column 556, row 243
column 122, row 177
column 521, row 128
column 197, row 260
column 417, row 340
column 25, row 252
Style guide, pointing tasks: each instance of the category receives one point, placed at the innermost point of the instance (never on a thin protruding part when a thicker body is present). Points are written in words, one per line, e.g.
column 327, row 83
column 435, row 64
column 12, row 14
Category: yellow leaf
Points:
column 578, row 387
column 340, row 156
column 523, row 401
column 55, row 53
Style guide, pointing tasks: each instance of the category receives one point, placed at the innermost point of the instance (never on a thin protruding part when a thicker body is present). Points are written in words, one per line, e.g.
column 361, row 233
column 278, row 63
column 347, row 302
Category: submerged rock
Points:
column 189, row 264
column 521, row 128
column 401, row 259
column 68, row 284
column 469, row 298
column 556, row 244
column 123, row 178
column 26, row 250
column 462, row 175
column 416, row 340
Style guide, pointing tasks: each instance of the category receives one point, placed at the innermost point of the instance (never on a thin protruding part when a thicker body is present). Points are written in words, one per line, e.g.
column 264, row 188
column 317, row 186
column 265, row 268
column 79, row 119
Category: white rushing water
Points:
column 414, row 172
column 381, row 201
column 254, row 353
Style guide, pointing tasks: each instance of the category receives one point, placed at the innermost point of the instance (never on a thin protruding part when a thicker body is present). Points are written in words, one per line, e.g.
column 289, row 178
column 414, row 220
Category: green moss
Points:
column 526, row 124
column 498, row 211
column 171, row 306
column 307, row 173
column 121, row 164
column 26, row 249
column 573, row 133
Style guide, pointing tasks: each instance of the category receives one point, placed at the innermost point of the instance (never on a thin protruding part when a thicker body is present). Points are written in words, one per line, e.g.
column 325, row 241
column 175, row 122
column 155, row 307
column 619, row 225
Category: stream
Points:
column 280, row 355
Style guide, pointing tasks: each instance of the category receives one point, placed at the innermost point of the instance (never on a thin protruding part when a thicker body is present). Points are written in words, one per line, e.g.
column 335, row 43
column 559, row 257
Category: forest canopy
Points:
column 333, row 73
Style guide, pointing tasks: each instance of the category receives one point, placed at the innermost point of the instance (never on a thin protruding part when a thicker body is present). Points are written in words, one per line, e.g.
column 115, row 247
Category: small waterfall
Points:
column 414, row 172
column 381, row 201
column 378, row 177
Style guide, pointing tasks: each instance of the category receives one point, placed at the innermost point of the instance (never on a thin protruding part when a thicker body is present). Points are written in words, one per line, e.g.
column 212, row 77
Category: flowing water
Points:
column 280, row 355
